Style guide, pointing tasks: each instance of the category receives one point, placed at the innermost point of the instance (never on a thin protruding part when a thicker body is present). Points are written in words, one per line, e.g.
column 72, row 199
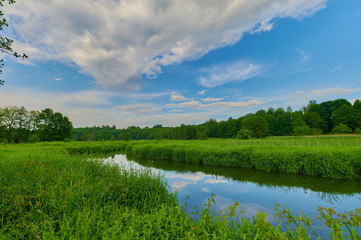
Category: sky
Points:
column 172, row 62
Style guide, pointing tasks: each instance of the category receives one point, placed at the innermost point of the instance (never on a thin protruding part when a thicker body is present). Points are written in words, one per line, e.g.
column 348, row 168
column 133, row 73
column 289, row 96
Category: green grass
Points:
column 56, row 191
column 324, row 156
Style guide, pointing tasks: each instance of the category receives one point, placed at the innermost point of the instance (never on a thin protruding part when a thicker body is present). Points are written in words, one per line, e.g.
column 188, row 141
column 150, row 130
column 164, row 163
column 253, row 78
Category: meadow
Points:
column 61, row 191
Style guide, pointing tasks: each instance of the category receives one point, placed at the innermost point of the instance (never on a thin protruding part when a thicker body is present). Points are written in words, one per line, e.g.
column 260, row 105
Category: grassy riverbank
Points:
column 47, row 193
column 324, row 156
column 328, row 156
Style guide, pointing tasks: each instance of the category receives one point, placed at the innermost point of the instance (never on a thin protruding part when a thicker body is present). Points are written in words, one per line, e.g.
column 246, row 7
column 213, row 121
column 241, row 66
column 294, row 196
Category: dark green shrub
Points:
column 244, row 134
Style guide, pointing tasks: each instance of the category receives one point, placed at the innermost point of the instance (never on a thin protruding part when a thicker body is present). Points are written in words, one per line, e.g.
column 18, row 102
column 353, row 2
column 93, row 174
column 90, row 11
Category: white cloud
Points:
column 191, row 104
column 93, row 107
column 139, row 108
column 178, row 97
column 300, row 98
column 337, row 68
column 211, row 99
column 180, row 185
column 58, row 79
column 216, row 105
column 305, row 57
column 264, row 26
column 117, row 41
column 236, row 104
column 333, row 91
column 202, row 92
column 213, row 181
column 225, row 73
column 33, row 99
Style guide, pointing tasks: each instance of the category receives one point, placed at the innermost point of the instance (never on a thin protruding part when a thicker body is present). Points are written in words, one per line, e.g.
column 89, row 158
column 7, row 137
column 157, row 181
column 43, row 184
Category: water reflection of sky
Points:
column 251, row 197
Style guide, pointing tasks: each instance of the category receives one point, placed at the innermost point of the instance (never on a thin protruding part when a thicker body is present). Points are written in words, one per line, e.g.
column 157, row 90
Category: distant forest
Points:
column 331, row 117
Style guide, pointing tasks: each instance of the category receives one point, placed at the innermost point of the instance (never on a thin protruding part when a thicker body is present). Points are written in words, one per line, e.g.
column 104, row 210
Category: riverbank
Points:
column 47, row 193
column 323, row 156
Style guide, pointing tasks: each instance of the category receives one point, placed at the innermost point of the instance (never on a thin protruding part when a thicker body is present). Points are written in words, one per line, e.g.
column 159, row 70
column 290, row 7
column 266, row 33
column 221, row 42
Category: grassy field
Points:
column 60, row 191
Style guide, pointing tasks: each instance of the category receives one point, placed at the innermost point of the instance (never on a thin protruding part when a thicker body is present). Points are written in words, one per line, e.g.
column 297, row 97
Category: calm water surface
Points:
column 253, row 190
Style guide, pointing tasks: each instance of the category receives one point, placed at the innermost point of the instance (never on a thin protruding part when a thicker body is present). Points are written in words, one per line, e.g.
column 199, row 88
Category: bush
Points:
column 357, row 131
column 341, row 129
column 244, row 134
column 302, row 130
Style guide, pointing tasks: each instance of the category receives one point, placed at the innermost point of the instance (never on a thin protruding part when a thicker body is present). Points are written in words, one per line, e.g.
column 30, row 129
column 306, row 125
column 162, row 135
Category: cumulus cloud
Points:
column 225, row 73
column 202, row 92
column 119, row 41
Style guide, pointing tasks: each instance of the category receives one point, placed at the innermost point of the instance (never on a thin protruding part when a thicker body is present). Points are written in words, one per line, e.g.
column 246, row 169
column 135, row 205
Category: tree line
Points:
column 331, row 117
column 19, row 125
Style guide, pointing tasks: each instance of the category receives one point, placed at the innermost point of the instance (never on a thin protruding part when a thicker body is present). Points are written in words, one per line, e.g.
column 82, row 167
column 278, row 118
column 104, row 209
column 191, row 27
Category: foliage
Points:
column 257, row 125
column 19, row 125
column 45, row 193
column 5, row 42
column 125, row 136
column 244, row 134
column 341, row 129
column 302, row 130
column 325, row 157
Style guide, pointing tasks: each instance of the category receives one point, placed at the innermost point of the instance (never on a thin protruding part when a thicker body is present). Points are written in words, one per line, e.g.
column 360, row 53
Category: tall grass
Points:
column 326, row 157
column 47, row 193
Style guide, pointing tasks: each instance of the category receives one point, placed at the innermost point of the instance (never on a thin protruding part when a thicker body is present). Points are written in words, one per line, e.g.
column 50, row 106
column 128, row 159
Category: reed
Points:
column 325, row 157
column 48, row 193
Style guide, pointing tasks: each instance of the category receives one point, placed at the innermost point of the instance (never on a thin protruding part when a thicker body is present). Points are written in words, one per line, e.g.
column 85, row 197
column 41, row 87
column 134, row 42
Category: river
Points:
column 253, row 190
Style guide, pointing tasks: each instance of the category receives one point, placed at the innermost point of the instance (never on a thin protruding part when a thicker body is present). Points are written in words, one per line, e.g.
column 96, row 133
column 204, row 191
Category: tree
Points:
column 5, row 42
column 54, row 126
column 341, row 129
column 125, row 136
column 257, row 125
column 357, row 105
column 244, row 134
column 347, row 115
column 11, row 118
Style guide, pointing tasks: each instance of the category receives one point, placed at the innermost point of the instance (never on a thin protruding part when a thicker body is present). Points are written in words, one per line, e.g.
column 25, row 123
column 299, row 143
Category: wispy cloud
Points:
column 211, row 99
column 117, row 42
column 199, row 105
column 300, row 98
column 333, row 91
column 213, row 181
column 225, row 73
column 337, row 68
column 139, row 108
column 305, row 57
column 58, row 79
column 202, row 92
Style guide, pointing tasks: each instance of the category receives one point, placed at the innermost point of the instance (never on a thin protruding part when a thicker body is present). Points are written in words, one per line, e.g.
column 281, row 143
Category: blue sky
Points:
column 137, row 62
